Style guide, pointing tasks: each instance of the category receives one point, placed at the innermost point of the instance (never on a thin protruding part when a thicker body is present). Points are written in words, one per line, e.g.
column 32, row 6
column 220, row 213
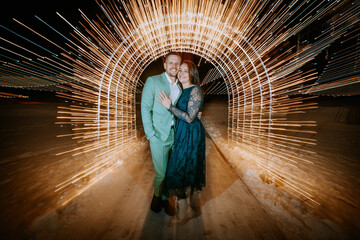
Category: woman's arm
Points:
column 192, row 109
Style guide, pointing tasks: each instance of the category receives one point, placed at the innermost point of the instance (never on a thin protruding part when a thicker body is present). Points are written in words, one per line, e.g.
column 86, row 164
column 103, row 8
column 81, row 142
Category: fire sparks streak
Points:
column 250, row 43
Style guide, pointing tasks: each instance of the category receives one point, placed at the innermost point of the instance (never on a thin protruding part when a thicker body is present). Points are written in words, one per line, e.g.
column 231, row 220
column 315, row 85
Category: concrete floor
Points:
column 229, row 210
column 116, row 207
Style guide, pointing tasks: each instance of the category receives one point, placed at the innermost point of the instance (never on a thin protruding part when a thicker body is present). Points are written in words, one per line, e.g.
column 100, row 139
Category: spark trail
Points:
column 253, row 46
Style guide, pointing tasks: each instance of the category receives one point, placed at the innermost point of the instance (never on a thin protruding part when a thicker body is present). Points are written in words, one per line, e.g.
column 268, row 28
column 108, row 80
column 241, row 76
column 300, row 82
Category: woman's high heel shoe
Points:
column 183, row 212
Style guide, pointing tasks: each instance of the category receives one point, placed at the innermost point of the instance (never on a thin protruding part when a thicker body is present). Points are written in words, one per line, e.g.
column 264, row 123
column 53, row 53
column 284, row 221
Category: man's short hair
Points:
column 173, row 53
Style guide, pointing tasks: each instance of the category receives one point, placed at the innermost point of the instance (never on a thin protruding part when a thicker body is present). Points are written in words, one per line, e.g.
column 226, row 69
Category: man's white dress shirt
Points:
column 174, row 92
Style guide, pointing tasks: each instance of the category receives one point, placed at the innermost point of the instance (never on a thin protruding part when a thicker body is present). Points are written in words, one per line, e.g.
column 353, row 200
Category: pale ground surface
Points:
column 117, row 206
column 333, row 173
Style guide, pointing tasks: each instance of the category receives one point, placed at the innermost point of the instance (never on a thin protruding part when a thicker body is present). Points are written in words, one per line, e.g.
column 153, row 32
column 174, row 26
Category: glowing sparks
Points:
column 250, row 44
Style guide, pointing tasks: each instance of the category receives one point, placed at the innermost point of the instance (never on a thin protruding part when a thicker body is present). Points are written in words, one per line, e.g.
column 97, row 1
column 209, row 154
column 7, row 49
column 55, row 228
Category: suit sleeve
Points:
column 147, row 102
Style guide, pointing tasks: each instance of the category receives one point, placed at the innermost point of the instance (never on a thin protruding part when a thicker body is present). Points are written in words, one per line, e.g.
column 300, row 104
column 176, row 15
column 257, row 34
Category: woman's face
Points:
column 183, row 74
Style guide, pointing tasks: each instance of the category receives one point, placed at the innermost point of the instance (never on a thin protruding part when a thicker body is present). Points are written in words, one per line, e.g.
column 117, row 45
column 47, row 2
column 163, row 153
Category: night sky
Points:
column 25, row 12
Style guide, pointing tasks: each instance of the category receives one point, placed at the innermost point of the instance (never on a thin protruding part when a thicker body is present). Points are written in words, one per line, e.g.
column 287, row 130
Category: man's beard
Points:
column 172, row 74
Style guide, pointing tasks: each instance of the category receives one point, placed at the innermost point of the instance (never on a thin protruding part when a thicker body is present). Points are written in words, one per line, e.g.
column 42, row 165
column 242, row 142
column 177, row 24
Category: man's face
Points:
column 171, row 65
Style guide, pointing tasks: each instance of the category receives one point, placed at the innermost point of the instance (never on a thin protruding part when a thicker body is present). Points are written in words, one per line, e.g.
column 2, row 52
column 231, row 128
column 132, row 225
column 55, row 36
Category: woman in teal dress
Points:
column 185, row 172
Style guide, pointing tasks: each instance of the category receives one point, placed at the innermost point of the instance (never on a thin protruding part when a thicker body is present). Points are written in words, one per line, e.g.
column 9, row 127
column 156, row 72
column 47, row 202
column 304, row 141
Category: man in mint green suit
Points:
column 159, row 124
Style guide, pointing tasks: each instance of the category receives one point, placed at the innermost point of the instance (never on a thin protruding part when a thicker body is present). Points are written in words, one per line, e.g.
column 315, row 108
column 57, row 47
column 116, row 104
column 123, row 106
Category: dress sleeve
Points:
column 194, row 104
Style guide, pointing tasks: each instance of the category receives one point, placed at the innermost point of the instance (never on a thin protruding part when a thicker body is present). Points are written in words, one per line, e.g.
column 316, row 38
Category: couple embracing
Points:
column 170, row 116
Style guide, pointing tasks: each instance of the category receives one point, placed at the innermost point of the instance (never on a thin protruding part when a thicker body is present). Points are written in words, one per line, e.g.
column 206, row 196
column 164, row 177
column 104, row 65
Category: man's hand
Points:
column 199, row 115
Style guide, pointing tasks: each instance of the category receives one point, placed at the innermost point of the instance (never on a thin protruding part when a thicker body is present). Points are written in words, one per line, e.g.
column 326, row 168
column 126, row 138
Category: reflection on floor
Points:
column 117, row 207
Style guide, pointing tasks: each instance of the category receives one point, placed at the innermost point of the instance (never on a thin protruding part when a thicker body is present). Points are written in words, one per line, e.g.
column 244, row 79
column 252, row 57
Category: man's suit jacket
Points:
column 156, row 118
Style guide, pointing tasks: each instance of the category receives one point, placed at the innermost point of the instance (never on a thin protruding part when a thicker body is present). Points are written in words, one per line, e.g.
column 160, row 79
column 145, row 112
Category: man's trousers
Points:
column 160, row 151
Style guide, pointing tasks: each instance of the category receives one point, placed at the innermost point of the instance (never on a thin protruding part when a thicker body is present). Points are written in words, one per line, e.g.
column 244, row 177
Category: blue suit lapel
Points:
column 165, row 81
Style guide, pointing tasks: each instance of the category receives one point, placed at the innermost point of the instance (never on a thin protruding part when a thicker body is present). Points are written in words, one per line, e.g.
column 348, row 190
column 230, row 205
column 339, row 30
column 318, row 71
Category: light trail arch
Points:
column 251, row 43
column 227, row 34
column 228, row 62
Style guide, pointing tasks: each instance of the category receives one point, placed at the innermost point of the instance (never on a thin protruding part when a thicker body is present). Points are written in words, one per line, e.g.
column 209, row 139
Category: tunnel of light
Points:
column 249, row 44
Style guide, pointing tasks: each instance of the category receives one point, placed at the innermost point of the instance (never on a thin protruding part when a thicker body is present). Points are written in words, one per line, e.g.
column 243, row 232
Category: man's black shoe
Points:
column 156, row 203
